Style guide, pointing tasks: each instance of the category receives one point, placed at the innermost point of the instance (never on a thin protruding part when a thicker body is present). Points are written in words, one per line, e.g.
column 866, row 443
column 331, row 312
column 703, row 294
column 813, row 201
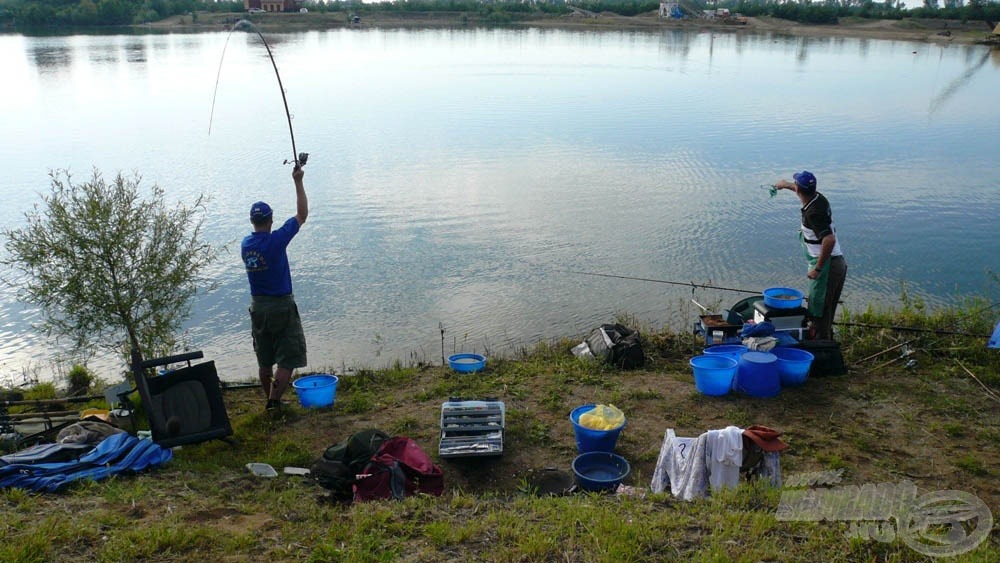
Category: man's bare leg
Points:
column 265, row 374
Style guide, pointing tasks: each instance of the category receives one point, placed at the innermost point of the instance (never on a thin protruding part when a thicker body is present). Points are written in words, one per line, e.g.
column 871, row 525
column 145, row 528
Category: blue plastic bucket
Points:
column 590, row 440
column 600, row 471
column 316, row 390
column 713, row 373
column 733, row 351
column 758, row 375
column 793, row 365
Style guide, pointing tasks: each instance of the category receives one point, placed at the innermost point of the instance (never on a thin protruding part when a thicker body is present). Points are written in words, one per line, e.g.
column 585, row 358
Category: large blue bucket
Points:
column 734, row 351
column 590, row 440
column 757, row 375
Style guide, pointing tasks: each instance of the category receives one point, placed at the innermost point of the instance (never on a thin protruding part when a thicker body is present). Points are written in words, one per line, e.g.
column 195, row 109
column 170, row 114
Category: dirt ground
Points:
column 879, row 424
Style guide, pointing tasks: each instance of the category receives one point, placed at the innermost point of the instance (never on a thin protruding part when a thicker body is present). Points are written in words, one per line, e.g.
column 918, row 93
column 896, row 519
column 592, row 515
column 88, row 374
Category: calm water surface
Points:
column 456, row 175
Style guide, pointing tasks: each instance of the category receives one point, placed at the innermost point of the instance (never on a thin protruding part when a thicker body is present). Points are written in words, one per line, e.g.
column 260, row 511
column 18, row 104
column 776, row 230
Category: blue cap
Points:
column 805, row 180
column 260, row 210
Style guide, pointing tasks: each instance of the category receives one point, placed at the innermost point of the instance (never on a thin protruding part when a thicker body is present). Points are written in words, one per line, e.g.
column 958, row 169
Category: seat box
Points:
column 782, row 319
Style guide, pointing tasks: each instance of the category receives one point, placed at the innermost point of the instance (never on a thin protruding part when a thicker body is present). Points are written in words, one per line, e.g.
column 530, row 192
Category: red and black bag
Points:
column 399, row 469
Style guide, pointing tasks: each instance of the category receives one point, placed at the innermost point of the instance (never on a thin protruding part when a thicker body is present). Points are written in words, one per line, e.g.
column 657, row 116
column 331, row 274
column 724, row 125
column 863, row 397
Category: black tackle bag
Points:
column 617, row 345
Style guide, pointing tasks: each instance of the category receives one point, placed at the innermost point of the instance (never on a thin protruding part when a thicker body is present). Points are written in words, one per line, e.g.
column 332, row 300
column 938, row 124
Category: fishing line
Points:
column 299, row 159
column 692, row 285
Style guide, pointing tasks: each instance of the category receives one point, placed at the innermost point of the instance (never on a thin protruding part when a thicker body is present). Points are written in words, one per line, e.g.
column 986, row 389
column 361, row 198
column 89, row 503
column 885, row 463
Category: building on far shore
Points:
column 272, row 5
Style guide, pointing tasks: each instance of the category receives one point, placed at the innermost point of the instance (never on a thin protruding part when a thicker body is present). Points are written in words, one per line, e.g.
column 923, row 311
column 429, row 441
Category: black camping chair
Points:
column 744, row 307
column 184, row 406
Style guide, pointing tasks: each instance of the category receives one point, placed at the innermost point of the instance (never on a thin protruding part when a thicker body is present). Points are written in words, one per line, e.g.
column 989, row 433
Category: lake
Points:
column 457, row 176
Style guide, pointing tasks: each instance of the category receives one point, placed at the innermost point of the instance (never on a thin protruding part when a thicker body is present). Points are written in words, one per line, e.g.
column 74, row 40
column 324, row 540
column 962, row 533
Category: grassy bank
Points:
column 932, row 421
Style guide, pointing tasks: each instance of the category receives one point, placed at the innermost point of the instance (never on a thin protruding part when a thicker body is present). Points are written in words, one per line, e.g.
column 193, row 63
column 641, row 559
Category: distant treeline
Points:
column 48, row 13
column 32, row 13
column 831, row 10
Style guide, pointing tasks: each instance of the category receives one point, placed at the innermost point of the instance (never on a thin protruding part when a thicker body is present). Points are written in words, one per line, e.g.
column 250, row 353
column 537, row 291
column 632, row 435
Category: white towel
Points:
column 725, row 456
column 760, row 343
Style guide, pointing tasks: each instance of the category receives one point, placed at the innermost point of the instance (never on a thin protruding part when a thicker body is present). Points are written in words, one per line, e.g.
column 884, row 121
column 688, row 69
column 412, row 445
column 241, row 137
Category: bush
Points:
column 80, row 379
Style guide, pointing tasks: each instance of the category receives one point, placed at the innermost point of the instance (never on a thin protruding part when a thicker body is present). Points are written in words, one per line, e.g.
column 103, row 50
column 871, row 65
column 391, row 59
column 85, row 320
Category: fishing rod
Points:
column 298, row 158
column 914, row 329
column 692, row 285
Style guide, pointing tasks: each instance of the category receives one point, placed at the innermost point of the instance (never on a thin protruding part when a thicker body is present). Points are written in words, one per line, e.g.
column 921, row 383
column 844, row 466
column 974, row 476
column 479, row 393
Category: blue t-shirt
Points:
column 267, row 262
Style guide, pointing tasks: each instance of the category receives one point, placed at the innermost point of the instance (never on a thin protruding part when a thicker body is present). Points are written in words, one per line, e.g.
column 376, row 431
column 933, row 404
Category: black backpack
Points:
column 340, row 464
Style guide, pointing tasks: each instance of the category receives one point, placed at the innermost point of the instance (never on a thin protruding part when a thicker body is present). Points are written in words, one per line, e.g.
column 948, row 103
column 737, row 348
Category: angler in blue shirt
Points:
column 278, row 339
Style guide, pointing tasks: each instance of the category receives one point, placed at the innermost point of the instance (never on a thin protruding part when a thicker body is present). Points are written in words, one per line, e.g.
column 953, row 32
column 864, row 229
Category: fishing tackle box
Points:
column 472, row 428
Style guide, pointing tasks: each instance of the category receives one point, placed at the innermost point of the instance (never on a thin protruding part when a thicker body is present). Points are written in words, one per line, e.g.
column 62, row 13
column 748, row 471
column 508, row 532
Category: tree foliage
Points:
column 38, row 13
column 109, row 268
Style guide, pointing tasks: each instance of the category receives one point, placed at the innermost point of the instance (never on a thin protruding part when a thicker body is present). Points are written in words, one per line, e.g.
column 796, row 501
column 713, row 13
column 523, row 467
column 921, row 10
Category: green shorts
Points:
column 277, row 332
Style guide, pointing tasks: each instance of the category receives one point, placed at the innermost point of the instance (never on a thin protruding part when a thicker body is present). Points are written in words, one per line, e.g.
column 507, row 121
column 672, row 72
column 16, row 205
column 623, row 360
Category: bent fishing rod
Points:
column 298, row 158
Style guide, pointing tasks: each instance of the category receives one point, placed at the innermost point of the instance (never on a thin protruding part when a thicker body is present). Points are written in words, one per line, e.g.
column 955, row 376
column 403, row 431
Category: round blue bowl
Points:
column 600, row 471
column 316, row 390
column 713, row 373
column 589, row 439
column 793, row 365
column 783, row 297
column 467, row 363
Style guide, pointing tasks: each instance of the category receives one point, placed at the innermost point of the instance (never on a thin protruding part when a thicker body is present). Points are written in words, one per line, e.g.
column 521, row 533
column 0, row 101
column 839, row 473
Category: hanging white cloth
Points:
column 724, row 451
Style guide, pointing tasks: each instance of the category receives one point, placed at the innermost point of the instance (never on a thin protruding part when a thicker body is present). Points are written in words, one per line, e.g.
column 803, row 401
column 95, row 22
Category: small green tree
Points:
column 108, row 268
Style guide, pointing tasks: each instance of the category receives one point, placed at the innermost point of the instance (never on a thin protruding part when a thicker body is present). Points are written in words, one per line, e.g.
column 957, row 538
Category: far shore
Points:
column 909, row 29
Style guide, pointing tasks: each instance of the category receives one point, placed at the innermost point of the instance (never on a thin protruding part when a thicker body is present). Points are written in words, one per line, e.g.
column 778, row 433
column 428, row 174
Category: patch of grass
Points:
column 831, row 460
column 955, row 429
column 357, row 402
column 403, row 426
column 971, row 464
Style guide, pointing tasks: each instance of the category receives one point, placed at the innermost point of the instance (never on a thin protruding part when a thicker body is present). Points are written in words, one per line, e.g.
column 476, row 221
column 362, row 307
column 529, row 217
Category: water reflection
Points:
column 957, row 83
column 135, row 51
column 50, row 58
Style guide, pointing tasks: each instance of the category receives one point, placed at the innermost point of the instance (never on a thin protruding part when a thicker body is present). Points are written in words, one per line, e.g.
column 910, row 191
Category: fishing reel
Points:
column 301, row 161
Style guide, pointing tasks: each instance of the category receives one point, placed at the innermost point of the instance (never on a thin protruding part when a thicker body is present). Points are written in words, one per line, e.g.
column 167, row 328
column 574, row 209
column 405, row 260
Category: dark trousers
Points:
column 823, row 326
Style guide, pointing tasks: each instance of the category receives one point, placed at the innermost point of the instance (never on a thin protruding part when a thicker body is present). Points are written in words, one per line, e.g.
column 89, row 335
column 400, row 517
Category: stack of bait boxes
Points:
column 471, row 428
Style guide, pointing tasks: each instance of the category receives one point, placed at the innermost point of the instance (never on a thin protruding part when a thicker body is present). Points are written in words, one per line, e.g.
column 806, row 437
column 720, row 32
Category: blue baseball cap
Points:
column 260, row 210
column 805, row 180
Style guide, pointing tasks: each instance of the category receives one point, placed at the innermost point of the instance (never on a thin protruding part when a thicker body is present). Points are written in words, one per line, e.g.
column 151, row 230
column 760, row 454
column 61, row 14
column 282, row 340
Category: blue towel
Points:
column 758, row 329
column 115, row 454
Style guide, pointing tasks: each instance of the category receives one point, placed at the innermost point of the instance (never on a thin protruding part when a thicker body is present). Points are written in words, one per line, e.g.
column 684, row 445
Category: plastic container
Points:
column 262, row 470
column 733, row 351
column 783, row 298
column 600, row 471
column 316, row 390
column 757, row 375
column 793, row 365
column 588, row 440
column 713, row 373
column 102, row 414
column 467, row 363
